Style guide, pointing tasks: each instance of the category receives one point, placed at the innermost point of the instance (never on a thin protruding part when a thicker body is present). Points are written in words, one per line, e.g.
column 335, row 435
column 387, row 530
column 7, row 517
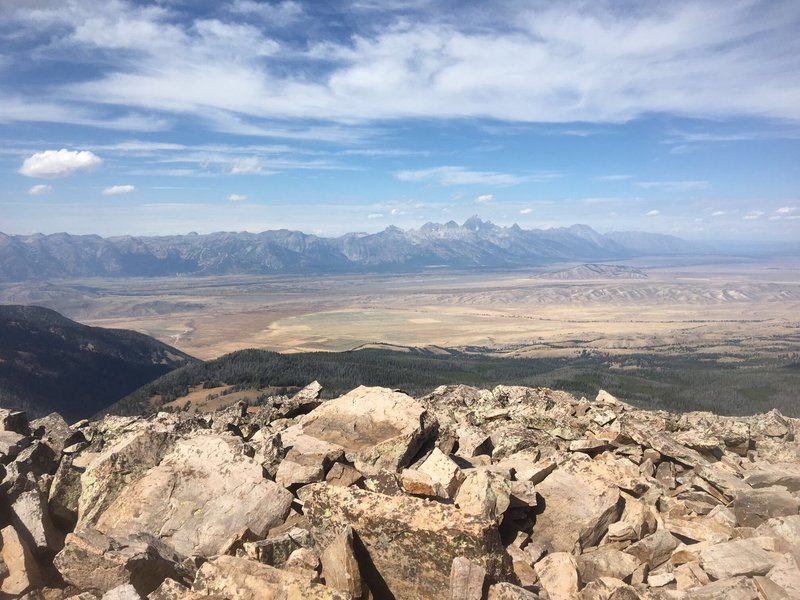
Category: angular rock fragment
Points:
column 467, row 580
column 242, row 579
column 577, row 511
column 484, row 494
column 409, row 543
column 735, row 588
column 276, row 549
column 377, row 427
column 31, row 512
column 442, row 470
column 509, row 591
column 343, row 475
column 169, row 590
column 753, row 507
column 608, row 588
column 107, row 473
column 654, row 549
column 91, row 560
column 186, row 503
column 786, row 475
column 122, row 592
column 786, row 574
column 741, row 557
column 23, row 573
column 339, row 565
column 558, row 574
column 606, row 562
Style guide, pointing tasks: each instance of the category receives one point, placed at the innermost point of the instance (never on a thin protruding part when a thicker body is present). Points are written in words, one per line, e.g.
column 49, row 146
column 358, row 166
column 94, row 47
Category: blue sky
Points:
column 167, row 117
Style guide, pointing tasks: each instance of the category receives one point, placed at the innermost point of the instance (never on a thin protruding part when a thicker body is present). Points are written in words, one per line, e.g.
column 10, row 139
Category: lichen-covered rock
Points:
column 410, row 543
column 377, row 427
column 91, row 560
column 201, row 492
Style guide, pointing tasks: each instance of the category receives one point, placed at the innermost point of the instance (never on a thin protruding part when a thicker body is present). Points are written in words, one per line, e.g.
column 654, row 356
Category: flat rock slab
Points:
column 377, row 427
column 242, row 579
column 739, row 558
column 577, row 511
column 754, row 507
column 409, row 544
column 201, row 492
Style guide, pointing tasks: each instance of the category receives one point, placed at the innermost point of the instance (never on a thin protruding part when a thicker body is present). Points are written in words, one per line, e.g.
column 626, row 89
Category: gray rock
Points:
column 91, row 560
column 467, row 580
column 754, row 507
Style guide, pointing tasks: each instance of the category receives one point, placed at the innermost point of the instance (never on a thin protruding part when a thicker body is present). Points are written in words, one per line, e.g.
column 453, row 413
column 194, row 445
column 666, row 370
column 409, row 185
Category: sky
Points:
column 151, row 118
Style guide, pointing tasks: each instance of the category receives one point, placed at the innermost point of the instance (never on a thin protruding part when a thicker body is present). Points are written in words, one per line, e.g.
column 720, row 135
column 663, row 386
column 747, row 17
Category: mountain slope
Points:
column 592, row 271
column 50, row 363
column 475, row 244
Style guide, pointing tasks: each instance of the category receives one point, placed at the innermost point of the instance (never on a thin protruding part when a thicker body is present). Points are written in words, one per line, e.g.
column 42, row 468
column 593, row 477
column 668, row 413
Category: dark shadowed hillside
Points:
column 50, row 363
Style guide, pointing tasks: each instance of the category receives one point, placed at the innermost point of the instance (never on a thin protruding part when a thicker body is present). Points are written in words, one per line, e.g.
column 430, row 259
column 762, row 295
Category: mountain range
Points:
column 474, row 244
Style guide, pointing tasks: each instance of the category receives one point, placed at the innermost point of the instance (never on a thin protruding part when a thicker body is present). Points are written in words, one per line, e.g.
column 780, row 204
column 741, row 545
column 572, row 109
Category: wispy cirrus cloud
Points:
column 675, row 186
column 455, row 175
column 590, row 64
column 117, row 190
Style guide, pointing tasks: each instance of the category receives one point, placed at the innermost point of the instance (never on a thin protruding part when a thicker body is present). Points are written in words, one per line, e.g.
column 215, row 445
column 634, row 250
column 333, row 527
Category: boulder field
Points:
column 464, row 494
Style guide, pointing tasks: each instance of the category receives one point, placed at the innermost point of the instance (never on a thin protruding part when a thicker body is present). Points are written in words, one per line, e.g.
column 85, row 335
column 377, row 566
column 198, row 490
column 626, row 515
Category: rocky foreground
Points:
column 514, row 493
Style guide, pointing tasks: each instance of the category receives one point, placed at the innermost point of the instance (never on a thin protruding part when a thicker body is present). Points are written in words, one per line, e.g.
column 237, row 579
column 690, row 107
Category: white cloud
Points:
column 277, row 13
column 675, row 186
column 718, row 213
column 596, row 62
column 254, row 165
column 451, row 175
column 753, row 215
column 58, row 163
column 116, row 190
column 613, row 177
column 787, row 210
column 375, row 215
column 40, row 189
column 484, row 199
column 652, row 213
column 236, row 197
column 526, row 211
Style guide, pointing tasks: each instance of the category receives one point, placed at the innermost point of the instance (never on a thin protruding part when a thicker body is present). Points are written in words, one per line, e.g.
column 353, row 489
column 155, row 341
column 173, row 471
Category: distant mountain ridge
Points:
column 593, row 271
column 474, row 244
column 51, row 363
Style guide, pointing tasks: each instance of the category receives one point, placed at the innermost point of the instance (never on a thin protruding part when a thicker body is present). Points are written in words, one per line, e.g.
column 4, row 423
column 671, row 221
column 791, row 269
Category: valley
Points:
column 733, row 308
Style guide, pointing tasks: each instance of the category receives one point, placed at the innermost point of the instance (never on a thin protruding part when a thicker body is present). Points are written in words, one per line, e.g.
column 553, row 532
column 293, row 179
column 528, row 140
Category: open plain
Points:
column 715, row 305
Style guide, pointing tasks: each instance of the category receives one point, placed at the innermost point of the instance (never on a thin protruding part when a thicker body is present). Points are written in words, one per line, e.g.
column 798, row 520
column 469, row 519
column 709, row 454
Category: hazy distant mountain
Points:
column 475, row 244
column 50, row 363
column 653, row 243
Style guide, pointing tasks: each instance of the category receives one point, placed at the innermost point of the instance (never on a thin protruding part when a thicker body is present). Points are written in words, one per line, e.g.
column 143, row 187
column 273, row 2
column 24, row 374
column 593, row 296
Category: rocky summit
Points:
column 464, row 494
